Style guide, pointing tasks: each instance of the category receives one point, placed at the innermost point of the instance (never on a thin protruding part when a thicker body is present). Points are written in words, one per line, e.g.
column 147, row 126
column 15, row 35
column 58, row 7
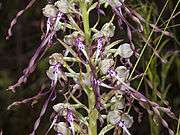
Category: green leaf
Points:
column 165, row 70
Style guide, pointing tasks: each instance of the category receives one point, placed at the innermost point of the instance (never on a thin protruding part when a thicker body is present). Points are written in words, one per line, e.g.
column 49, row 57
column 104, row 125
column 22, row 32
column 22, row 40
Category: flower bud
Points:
column 68, row 39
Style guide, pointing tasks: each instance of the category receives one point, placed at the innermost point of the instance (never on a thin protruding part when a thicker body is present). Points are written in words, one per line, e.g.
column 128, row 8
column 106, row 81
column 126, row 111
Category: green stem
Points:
column 92, row 129
column 85, row 19
column 153, row 126
column 92, row 114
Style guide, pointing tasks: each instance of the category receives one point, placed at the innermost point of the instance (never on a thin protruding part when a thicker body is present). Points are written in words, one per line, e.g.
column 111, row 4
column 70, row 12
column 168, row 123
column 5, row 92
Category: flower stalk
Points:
column 85, row 19
column 92, row 128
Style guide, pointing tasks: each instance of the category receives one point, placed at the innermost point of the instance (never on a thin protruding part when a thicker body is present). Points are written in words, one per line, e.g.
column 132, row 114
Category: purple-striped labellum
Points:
column 99, row 48
column 48, row 26
column 121, row 124
column 112, row 73
column 97, row 93
column 59, row 16
column 79, row 44
column 70, row 120
column 81, row 47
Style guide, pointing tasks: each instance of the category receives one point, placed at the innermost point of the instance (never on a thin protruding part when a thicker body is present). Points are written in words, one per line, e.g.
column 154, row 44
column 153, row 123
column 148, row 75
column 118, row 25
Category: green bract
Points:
column 62, row 6
column 85, row 78
column 102, row 1
column 124, row 51
column 50, row 10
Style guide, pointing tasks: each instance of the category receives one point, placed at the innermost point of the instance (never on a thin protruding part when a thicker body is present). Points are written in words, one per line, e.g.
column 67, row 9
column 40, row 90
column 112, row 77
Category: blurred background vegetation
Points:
column 15, row 53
